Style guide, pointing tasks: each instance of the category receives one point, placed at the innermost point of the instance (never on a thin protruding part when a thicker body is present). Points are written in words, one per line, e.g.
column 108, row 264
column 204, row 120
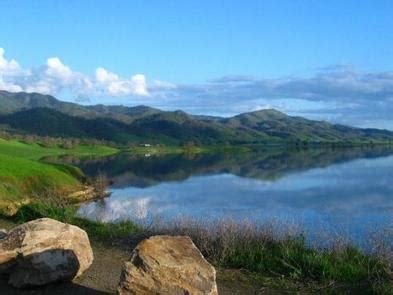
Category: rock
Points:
column 167, row 265
column 87, row 194
column 3, row 233
column 43, row 251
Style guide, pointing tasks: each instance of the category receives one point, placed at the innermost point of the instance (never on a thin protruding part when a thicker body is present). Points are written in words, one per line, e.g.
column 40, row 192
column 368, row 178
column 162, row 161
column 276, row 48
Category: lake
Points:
column 345, row 192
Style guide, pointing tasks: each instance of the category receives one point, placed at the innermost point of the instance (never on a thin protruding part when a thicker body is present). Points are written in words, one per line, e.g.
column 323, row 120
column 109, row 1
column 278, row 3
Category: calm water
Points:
column 345, row 192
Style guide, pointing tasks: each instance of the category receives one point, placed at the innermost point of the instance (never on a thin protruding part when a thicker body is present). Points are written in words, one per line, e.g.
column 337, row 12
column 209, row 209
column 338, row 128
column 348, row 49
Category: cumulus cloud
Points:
column 8, row 70
column 55, row 78
column 9, row 66
column 56, row 69
column 113, row 85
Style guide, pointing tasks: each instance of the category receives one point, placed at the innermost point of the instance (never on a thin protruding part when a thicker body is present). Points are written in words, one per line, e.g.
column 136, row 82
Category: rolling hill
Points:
column 21, row 101
column 44, row 115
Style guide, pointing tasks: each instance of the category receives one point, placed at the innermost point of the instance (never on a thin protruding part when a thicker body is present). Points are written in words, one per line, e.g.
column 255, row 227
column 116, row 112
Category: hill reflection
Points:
column 269, row 164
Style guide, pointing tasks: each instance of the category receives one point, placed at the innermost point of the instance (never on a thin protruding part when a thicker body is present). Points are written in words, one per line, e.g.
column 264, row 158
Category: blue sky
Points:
column 327, row 60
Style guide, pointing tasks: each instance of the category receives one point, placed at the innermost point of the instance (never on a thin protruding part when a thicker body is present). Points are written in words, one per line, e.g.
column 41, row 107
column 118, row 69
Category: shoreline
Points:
column 259, row 257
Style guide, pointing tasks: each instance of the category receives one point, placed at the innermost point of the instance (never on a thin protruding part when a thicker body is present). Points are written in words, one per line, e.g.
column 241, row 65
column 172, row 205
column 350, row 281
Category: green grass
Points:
column 292, row 259
column 21, row 178
column 36, row 151
column 23, row 175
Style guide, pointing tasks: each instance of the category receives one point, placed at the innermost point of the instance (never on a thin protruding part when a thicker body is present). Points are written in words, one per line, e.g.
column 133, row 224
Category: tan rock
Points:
column 44, row 251
column 167, row 265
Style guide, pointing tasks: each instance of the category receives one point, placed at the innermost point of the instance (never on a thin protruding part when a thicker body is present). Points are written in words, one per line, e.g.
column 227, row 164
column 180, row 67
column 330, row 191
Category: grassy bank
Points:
column 23, row 175
column 280, row 258
column 21, row 178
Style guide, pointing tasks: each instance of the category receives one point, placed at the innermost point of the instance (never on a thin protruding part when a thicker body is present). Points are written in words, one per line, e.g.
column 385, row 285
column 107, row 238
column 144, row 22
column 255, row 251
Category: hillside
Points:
column 277, row 124
column 16, row 102
column 44, row 115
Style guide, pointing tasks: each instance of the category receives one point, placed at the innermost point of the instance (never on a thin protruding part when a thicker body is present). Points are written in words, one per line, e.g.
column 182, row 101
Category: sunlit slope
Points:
column 23, row 175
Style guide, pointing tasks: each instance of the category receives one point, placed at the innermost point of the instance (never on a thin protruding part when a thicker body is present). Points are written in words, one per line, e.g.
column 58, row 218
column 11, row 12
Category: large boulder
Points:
column 167, row 265
column 43, row 251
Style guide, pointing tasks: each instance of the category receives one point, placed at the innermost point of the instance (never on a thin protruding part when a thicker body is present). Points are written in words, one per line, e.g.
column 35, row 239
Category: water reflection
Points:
column 332, row 191
column 270, row 164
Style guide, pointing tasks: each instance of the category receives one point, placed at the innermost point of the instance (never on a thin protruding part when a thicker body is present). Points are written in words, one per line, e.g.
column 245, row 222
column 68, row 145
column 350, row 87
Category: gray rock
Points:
column 43, row 251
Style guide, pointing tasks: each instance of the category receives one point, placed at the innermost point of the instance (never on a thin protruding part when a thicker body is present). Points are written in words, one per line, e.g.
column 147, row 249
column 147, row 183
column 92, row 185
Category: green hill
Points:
column 278, row 124
column 44, row 115
column 16, row 102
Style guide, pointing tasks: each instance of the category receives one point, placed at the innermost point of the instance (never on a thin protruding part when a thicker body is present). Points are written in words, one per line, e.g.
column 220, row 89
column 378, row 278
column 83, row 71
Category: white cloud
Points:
column 139, row 81
column 56, row 69
column 55, row 78
column 104, row 77
column 161, row 85
column 8, row 69
column 112, row 85
column 8, row 66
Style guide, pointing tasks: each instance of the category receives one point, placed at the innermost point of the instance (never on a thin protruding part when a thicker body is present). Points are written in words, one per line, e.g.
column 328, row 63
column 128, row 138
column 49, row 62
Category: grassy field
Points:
column 22, row 174
column 36, row 151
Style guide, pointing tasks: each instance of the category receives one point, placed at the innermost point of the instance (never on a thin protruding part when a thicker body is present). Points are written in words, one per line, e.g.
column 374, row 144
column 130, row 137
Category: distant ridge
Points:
column 40, row 114
column 14, row 102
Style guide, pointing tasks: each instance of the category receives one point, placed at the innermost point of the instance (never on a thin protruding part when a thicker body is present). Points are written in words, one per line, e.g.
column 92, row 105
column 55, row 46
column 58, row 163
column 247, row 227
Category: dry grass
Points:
column 280, row 250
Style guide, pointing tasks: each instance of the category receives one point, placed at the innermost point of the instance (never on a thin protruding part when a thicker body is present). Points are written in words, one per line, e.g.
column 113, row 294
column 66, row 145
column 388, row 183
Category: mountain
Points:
column 277, row 124
column 49, row 122
column 165, row 127
column 15, row 102
column 44, row 115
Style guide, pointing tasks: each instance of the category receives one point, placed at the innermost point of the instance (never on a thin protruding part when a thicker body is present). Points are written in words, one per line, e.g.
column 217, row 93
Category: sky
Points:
column 327, row 59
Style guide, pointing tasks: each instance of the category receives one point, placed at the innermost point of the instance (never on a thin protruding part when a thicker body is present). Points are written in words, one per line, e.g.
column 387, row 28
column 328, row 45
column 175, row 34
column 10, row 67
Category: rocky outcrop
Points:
column 10, row 207
column 87, row 194
column 44, row 251
column 167, row 265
